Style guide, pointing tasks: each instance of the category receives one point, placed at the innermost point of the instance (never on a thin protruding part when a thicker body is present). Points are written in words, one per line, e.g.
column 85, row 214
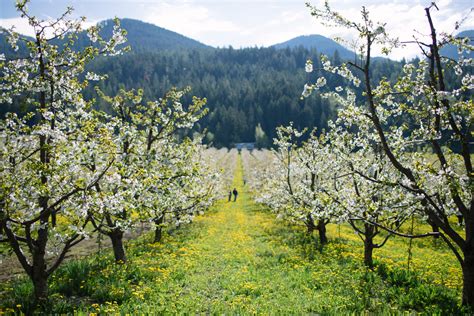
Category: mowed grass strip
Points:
column 236, row 262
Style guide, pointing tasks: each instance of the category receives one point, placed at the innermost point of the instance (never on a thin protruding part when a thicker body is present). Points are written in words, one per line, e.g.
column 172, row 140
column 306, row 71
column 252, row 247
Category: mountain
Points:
column 451, row 51
column 142, row 37
column 322, row 44
column 146, row 37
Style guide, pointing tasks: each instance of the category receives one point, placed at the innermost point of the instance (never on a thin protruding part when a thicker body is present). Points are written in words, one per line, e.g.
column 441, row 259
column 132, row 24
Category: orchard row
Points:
column 399, row 152
column 69, row 171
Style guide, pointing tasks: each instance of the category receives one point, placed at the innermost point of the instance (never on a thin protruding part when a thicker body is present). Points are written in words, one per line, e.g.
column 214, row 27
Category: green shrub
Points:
column 70, row 280
column 21, row 297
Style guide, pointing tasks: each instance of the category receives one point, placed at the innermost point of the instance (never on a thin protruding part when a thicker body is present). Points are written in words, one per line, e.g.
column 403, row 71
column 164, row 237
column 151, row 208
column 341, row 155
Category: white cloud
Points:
column 405, row 19
column 194, row 21
column 243, row 23
column 21, row 25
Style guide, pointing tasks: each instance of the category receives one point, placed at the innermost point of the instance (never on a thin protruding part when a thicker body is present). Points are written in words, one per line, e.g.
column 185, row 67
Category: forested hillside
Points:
column 244, row 88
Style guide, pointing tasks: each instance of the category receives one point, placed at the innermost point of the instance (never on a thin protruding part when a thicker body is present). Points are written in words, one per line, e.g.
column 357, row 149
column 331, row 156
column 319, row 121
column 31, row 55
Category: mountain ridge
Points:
column 321, row 43
column 451, row 51
column 147, row 37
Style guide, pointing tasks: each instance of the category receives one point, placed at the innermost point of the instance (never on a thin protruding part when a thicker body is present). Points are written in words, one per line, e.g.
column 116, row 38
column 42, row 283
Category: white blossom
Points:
column 309, row 66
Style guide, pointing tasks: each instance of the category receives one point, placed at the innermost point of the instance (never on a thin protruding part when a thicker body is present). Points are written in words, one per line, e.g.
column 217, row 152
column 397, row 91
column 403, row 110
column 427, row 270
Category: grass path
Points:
column 235, row 263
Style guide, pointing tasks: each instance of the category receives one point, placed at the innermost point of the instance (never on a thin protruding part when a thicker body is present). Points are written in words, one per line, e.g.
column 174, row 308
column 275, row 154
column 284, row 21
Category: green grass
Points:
column 237, row 259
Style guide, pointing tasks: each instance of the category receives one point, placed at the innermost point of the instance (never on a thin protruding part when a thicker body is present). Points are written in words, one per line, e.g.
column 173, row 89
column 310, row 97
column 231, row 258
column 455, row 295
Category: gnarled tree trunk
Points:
column 369, row 245
column 468, row 275
column 158, row 228
column 39, row 274
column 323, row 239
column 39, row 278
column 116, row 236
column 310, row 226
column 434, row 228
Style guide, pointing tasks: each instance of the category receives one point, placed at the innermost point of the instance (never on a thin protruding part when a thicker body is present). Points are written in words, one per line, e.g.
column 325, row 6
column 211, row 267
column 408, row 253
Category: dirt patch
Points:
column 11, row 269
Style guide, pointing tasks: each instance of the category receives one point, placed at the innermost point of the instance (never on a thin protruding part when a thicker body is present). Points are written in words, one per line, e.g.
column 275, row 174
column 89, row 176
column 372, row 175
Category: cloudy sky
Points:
column 243, row 23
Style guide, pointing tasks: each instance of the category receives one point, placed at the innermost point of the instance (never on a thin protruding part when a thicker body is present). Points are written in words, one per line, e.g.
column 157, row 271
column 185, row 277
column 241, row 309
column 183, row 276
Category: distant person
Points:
column 235, row 194
column 230, row 196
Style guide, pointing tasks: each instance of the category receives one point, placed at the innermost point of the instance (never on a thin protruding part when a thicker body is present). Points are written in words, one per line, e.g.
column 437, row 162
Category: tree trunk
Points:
column 158, row 234
column 117, row 244
column 368, row 250
column 309, row 229
column 434, row 228
column 323, row 239
column 158, row 228
column 40, row 284
column 468, row 277
column 53, row 219
column 369, row 245
column 309, row 222
column 39, row 274
column 39, row 277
